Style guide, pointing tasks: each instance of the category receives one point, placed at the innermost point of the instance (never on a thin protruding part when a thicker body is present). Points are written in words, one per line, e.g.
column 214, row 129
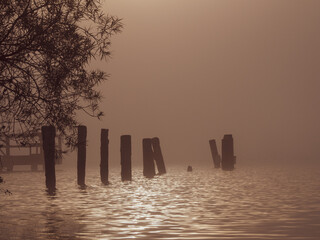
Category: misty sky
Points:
column 192, row 70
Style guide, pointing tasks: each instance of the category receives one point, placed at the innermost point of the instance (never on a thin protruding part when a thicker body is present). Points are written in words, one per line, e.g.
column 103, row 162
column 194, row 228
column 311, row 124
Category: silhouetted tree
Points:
column 45, row 48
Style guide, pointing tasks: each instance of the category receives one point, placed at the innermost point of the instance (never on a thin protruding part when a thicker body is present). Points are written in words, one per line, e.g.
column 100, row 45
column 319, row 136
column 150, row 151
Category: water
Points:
column 248, row 203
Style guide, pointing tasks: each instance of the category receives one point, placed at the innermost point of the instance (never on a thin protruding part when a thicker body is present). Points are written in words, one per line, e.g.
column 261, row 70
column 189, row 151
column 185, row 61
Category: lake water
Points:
column 248, row 203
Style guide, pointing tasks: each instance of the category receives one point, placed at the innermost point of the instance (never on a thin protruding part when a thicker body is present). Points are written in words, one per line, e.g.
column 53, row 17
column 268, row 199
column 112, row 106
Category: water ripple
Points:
column 205, row 204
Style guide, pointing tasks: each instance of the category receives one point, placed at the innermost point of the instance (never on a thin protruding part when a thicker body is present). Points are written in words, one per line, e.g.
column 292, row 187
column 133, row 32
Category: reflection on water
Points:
column 203, row 204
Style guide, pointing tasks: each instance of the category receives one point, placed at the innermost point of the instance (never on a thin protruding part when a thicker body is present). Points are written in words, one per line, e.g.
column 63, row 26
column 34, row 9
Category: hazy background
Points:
column 191, row 70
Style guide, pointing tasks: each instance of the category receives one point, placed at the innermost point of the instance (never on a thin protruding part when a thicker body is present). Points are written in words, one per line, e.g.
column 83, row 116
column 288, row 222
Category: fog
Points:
column 188, row 71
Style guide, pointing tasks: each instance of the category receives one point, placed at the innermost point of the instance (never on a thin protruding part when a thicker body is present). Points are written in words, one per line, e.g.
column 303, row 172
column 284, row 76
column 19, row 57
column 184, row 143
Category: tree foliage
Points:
column 45, row 49
column 5, row 191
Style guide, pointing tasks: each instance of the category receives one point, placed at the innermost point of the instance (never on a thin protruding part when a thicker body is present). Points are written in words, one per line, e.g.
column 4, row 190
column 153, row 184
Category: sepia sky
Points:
column 192, row 70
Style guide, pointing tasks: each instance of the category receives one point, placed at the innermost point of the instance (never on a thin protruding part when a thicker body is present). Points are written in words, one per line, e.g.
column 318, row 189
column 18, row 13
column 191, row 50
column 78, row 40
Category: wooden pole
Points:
column 48, row 139
column 125, row 150
column 81, row 163
column 158, row 155
column 104, row 155
column 227, row 153
column 214, row 152
column 148, row 163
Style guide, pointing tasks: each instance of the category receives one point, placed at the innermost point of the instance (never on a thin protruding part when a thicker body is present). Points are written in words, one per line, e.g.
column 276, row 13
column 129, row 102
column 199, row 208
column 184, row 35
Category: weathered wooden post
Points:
column 214, row 152
column 125, row 150
column 148, row 162
column 158, row 155
column 104, row 156
column 48, row 139
column 228, row 158
column 81, row 163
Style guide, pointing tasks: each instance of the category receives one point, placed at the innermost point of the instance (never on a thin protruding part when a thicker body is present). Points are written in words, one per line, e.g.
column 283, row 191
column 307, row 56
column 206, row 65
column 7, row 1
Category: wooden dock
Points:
column 34, row 158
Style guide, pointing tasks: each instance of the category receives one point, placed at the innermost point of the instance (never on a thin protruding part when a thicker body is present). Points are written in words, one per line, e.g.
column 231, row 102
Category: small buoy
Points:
column 189, row 169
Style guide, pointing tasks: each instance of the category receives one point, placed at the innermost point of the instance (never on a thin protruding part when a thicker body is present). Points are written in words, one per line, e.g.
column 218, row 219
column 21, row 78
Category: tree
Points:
column 45, row 49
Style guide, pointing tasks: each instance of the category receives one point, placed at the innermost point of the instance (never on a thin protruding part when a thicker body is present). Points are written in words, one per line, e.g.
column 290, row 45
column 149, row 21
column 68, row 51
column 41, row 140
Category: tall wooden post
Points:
column 125, row 150
column 214, row 152
column 228, row 158
column 48, row 139
column 158, row 155
column 104, row 156
column 81, row 163
column 148, row 162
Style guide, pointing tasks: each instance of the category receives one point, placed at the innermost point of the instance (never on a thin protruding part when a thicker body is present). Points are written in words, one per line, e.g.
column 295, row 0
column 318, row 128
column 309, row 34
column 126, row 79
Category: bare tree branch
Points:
column 45, row 47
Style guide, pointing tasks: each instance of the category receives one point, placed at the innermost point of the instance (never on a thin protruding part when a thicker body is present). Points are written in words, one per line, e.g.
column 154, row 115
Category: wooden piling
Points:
column 125, row 150
column 48, row 139
column 104, row 155
column 227, row 153
column 158, row 155
column 148, row 162
column 81, row 160
column 214, row 152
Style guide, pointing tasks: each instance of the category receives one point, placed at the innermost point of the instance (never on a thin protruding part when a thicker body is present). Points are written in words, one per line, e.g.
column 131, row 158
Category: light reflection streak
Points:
column 207, row 204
